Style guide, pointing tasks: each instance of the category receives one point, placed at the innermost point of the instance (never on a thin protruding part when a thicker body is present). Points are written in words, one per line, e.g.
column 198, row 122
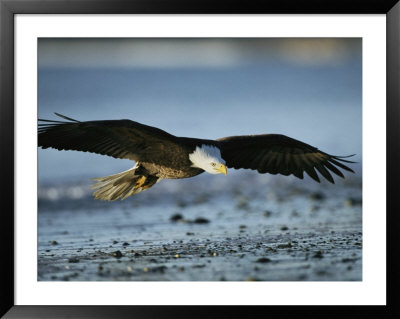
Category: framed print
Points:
column 238, row 157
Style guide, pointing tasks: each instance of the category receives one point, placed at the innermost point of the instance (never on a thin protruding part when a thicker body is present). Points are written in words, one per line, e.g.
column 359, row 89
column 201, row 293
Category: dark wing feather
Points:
column 117, row 138
column 279, row 154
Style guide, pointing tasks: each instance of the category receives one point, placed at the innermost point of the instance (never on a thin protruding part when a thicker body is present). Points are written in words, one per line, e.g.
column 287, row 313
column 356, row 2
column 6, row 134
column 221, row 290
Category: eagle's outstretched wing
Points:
column 117, row 138
column 279, row 154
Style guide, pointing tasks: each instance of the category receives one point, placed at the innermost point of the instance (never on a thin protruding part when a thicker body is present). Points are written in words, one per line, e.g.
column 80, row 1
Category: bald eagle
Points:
column 159, row 155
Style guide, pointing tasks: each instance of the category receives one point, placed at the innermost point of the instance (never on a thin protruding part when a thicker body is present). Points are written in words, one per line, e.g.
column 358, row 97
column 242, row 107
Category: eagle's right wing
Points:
column 117, row 138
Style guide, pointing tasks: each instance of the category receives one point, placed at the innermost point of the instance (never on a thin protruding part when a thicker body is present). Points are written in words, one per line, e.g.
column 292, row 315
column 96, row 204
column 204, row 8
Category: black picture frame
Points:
column 8, row 10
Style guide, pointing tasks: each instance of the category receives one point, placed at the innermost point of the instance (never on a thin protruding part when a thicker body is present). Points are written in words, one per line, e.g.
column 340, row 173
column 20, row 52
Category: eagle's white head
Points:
column 209, row 158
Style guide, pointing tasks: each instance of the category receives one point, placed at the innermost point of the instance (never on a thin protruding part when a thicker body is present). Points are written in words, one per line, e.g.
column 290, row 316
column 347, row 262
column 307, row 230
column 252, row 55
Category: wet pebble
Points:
column 347, row 260
column 288, row 245
column 317, row 196
column 201, row 220
column 157, row 269
column 117, row 254
column 251, row 279
column 321, row 272
column 318, row 254
column 73, row 260
column 181, row 204
column 351, row 201
column 263, row 260
column 267, row 213
column 176, row 218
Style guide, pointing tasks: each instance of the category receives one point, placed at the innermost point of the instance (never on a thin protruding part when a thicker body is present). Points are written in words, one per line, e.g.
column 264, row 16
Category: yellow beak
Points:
column 222, row 169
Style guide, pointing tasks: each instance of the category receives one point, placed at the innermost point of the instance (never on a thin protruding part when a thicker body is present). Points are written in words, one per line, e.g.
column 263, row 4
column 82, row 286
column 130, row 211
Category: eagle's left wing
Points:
column 279, row 154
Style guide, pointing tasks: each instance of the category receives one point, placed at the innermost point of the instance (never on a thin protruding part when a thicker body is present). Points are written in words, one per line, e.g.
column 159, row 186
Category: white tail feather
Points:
column 121, row 185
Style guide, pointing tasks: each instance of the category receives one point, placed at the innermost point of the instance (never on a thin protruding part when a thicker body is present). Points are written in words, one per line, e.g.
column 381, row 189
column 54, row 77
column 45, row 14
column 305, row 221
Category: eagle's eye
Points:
column 213, row 164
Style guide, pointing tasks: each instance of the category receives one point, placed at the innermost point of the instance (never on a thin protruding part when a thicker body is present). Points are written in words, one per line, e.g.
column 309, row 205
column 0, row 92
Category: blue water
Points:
column 321, row 106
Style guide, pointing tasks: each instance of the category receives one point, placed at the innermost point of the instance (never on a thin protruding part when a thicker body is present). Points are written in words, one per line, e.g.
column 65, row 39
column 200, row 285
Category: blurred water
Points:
column 320, row 105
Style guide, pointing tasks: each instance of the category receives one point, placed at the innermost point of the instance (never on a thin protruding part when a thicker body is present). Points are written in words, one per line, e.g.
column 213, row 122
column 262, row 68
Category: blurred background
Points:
column 309, row 89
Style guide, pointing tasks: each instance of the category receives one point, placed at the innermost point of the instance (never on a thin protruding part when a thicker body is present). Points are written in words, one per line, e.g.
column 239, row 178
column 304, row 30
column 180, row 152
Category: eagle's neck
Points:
column 203, row 156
